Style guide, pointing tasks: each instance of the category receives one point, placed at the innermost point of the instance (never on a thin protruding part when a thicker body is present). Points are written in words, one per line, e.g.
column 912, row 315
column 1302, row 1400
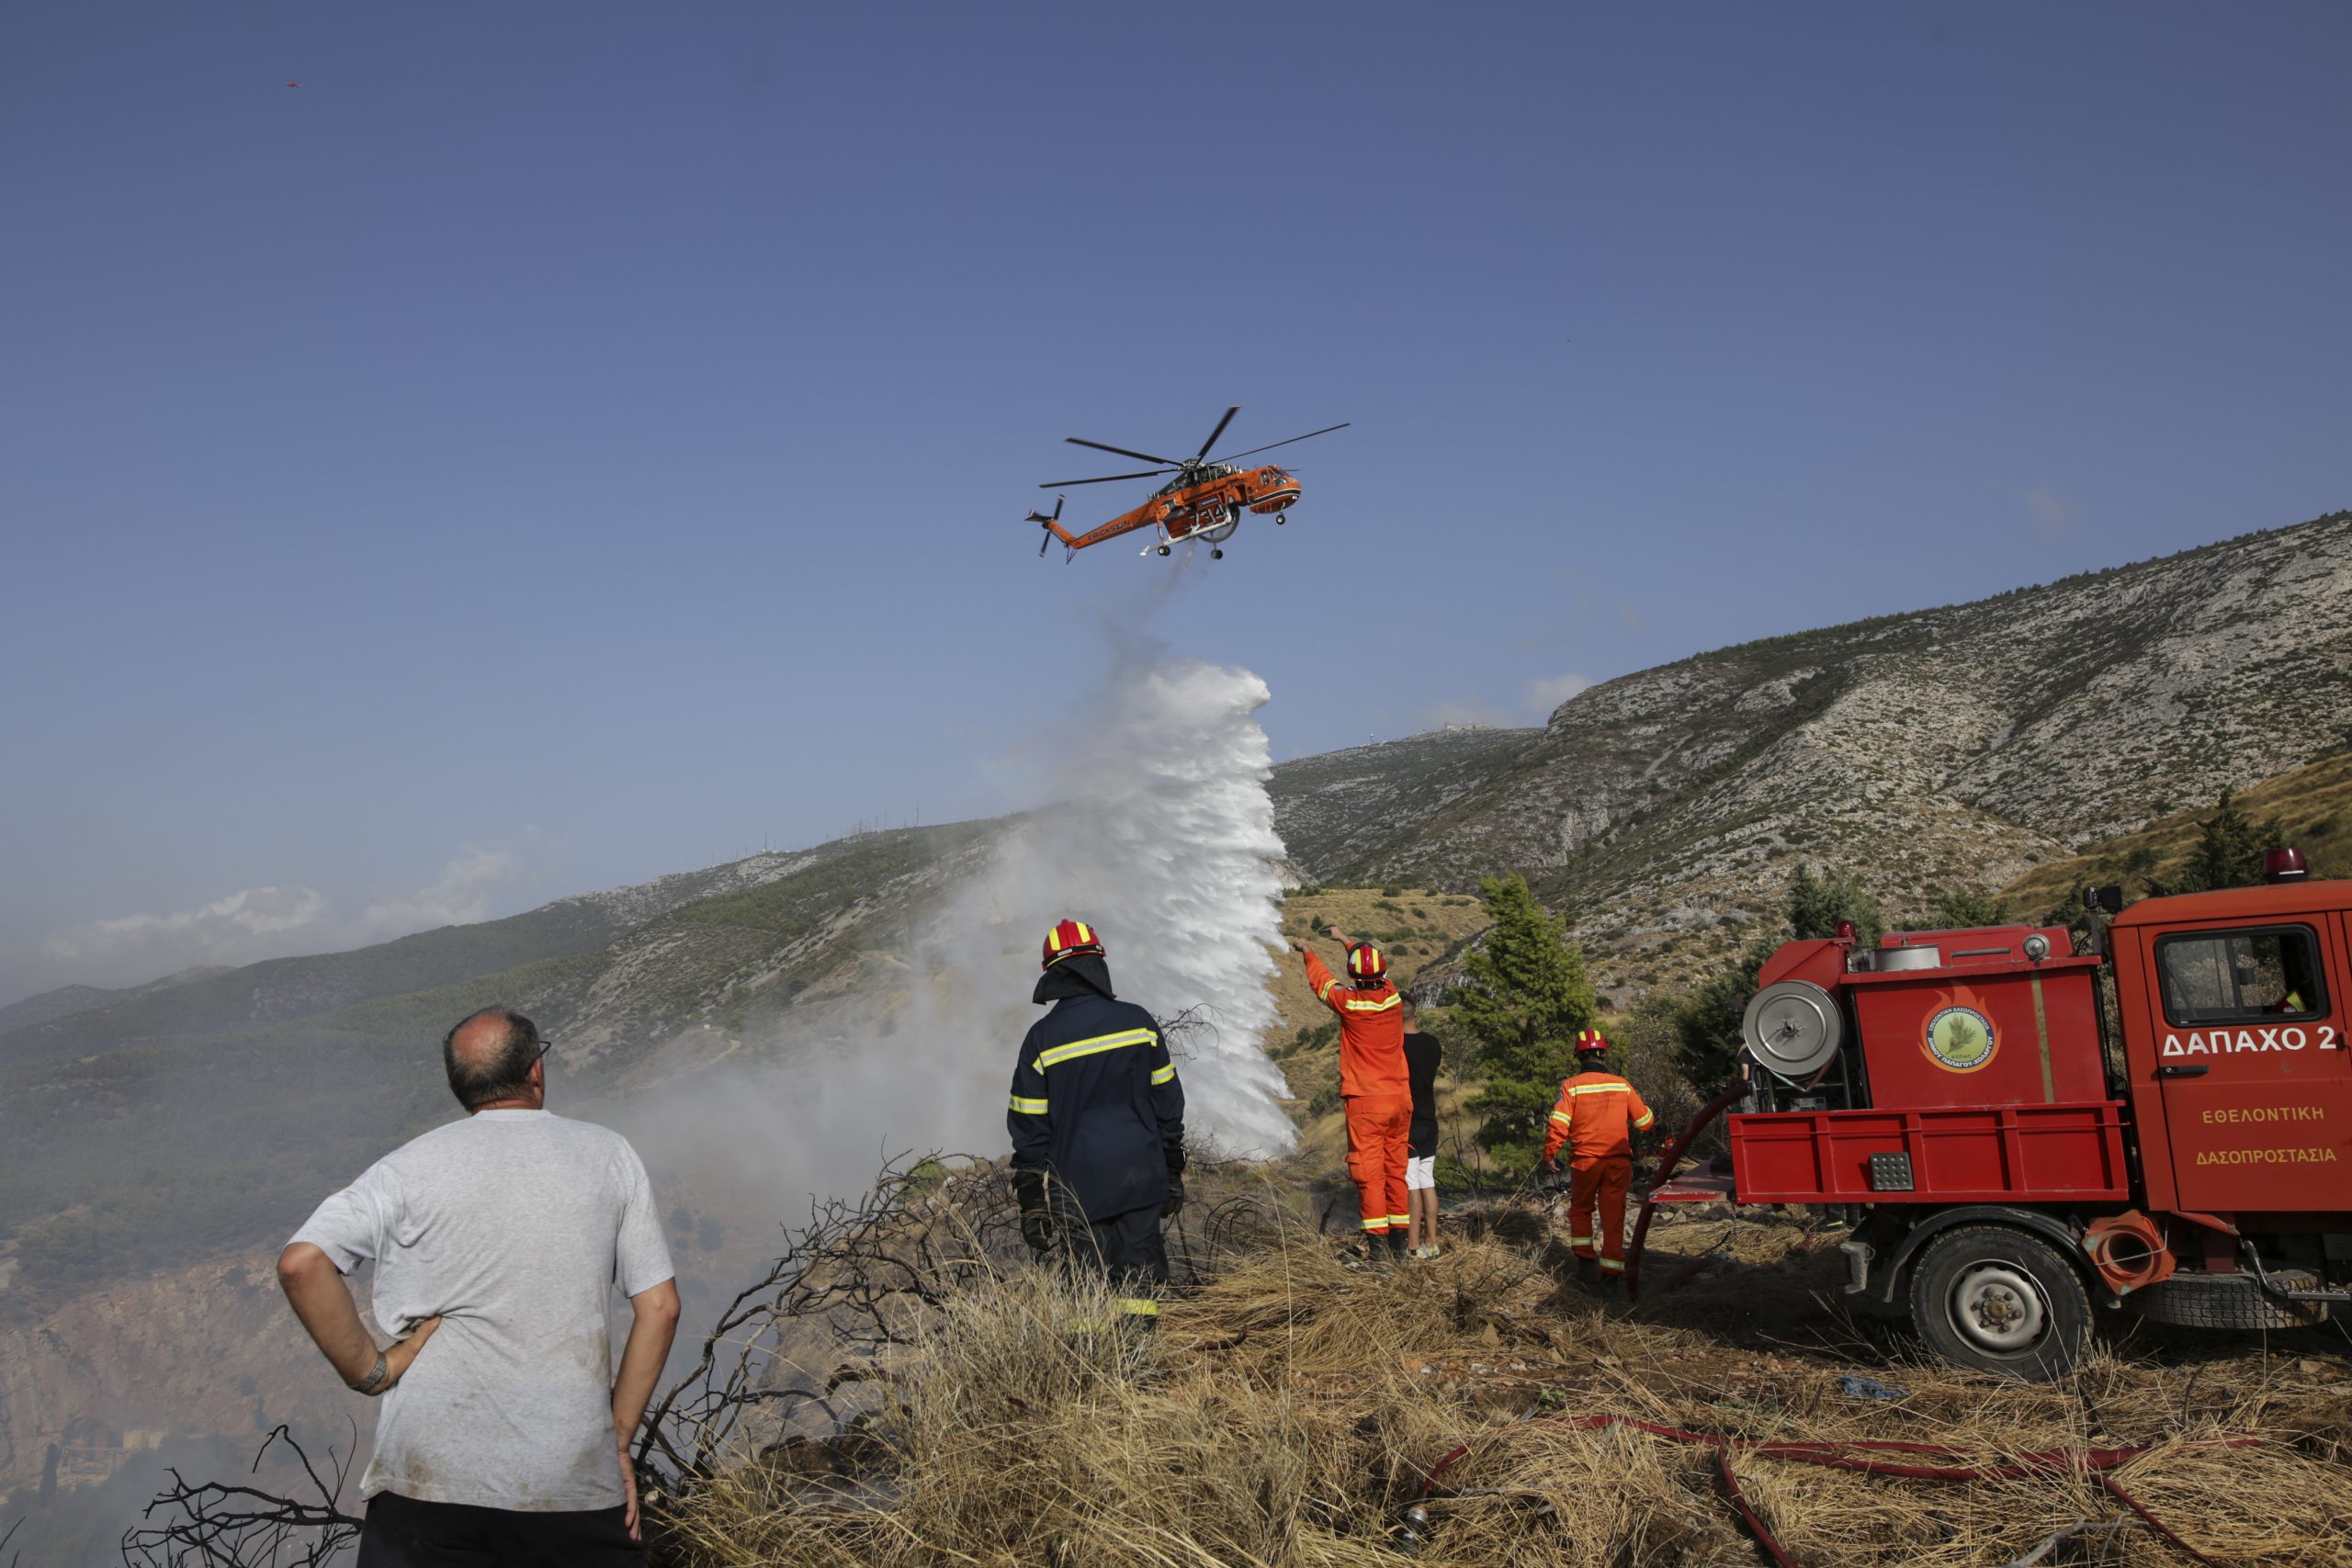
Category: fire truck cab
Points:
column 2163, row 1122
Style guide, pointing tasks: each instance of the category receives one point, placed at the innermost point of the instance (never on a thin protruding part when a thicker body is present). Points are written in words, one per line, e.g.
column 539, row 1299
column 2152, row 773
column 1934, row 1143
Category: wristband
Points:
column 376, row 1377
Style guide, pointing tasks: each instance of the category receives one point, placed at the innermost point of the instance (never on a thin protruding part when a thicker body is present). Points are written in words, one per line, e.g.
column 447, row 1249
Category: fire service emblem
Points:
column 1961, row 1039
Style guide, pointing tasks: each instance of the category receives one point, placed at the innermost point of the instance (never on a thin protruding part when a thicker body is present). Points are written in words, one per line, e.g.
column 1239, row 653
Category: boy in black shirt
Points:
column 1420, row 1150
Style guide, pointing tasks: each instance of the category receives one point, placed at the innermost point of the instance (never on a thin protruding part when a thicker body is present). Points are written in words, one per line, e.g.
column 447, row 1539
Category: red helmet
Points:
column 1591, row 1043
column 1068, row 940
column 1367, row 963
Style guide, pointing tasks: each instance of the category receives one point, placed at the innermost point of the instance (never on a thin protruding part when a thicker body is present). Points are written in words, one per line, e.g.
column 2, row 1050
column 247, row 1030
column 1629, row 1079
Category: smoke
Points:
column 1160, row 835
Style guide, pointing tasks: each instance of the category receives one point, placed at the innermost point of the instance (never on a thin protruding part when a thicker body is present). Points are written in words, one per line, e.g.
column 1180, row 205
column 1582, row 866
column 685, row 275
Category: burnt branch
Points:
column 216, row 1525
column 797, row 1350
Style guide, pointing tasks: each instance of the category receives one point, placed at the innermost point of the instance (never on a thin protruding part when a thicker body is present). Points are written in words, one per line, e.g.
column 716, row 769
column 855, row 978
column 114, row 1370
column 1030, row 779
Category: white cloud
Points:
column 1541, row 696
column 273, row 922
column 459, row 896
column 1439, row 715
column 2048, row 513
column 235, row 930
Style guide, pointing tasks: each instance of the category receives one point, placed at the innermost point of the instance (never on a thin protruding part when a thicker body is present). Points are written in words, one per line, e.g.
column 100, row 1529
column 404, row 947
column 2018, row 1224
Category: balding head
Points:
column 489, row 1055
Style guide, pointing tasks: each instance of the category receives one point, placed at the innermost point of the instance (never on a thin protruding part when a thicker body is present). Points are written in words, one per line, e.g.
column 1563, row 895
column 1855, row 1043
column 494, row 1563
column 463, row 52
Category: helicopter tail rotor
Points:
column 1052, row 525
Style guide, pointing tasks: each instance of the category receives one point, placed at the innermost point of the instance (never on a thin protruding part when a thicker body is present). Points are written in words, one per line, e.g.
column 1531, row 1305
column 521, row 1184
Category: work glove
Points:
column 1175, row 1198
column 1549, row 1171
column 1037, row 1219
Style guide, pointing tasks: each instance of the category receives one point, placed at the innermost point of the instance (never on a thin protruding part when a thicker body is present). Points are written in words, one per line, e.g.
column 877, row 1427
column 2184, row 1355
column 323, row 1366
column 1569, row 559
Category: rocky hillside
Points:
column 1338, row 810
column 2312, row 804
column 1954, row 746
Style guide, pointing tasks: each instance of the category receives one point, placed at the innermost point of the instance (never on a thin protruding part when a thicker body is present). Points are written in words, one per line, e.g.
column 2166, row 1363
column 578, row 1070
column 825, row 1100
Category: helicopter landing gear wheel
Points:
column 1164, row 549
column 1216, row 555
column 1280, row 519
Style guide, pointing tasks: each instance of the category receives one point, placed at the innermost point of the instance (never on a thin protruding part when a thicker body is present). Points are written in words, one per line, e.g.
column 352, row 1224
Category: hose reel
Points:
column 1792, row 1028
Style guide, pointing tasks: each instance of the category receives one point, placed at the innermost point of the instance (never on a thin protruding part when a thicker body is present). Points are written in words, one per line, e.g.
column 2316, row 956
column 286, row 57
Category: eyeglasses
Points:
column 545, row 1046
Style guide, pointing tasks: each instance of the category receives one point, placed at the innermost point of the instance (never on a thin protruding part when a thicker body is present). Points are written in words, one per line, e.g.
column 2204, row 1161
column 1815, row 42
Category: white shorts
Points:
column 1421, row 1175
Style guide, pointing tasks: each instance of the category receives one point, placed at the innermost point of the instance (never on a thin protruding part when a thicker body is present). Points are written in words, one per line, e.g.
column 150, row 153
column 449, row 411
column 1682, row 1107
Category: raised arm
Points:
column 1319, row 979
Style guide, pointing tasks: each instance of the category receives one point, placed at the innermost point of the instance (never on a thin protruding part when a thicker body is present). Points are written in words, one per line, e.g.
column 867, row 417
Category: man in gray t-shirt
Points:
column 504, row 1430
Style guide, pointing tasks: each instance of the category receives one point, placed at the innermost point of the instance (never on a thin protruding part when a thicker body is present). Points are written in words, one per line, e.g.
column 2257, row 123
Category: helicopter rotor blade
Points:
column 1106, row 478
column 1099, row 446
column 1217, row 431
column 1270, row 447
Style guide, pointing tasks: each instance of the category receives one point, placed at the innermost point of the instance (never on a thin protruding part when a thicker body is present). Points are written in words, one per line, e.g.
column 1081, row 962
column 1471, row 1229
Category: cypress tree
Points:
column 2229, row 850
column 1521, row 1004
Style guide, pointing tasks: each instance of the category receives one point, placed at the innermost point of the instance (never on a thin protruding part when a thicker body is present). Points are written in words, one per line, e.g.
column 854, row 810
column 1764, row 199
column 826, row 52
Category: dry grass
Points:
column 1292, row 1406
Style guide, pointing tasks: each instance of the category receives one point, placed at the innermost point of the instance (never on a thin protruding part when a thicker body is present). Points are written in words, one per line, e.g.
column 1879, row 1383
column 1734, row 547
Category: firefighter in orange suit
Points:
column 1598, row 1114
column 1373, row 1087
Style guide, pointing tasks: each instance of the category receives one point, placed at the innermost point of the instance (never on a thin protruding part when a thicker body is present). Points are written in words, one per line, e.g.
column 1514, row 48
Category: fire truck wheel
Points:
column 1998, row 1300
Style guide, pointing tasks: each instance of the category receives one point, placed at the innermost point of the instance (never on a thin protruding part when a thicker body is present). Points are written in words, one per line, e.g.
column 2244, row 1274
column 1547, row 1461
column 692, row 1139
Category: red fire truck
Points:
column 2163, row 1122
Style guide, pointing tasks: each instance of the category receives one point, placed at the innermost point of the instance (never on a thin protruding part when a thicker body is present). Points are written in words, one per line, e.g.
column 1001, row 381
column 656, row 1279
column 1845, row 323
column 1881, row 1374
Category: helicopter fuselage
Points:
column 1207, row 503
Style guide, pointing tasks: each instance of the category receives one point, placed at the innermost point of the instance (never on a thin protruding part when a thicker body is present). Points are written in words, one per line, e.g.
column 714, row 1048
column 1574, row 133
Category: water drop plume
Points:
column 1163, row 839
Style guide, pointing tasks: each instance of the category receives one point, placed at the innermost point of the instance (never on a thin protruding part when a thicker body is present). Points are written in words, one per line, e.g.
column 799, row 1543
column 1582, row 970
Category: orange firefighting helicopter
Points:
column 1204, row 502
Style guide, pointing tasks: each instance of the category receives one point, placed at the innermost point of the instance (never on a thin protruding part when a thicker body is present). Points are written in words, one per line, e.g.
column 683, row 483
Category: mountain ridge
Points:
column 1948, row 748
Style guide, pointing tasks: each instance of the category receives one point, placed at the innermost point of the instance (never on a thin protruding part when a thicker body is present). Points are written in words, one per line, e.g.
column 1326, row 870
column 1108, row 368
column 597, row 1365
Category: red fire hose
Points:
column 1667, row 1161
column 1849, row 1455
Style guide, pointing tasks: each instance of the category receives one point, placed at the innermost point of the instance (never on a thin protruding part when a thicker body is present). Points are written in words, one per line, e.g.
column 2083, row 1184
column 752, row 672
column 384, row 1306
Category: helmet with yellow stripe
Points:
column 1367, row 965
column 1591, row 1043
column 1068, row 940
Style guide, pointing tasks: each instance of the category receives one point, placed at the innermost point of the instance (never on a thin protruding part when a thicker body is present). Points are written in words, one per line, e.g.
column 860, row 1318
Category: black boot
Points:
column 1396, row 1246
column 1588, row 1272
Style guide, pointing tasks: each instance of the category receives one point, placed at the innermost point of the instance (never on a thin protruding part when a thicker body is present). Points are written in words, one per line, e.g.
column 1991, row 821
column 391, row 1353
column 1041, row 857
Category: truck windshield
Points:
column 2240, row 977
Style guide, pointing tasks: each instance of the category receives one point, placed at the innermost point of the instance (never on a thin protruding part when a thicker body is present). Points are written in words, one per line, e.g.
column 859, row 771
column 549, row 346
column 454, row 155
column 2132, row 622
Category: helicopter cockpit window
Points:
column 2240, row 976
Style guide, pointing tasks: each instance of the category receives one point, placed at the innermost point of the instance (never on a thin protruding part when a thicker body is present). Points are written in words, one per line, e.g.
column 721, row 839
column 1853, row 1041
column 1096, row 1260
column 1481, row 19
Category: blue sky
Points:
column 559, row 444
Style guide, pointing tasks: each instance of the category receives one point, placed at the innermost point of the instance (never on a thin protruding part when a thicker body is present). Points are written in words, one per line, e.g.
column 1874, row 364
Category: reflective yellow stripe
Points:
column 1089, row 1047
column 1579, row 1241
column 1029, row 1107
column 1323, row 992
column 1085, row 933
column 1375, row 1006
column 1645, row 1118
column 1561, row 1116
column 1140, row 1307
column 1165, row 1075
column 1054, row 939
column 1603, row 1088
column 1379, row 1225
column 1613, row 1266
column 1400, row 1219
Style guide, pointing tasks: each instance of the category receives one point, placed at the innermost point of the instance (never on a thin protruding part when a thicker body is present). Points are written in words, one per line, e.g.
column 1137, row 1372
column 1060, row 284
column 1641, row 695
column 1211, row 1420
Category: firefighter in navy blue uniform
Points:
column 1098, row 1124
